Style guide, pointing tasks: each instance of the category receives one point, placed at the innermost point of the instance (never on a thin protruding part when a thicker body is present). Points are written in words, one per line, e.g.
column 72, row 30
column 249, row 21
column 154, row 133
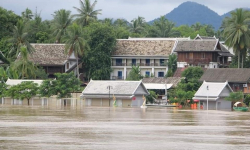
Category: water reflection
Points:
column 95, row 128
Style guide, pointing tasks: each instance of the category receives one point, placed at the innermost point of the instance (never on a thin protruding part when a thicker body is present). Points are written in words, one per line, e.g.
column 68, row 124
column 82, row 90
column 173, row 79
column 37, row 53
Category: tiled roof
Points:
column 234, row 75
column 49, row 54
column 145, row 47
column 100, row 87
column 196, row 45
column 169, row 80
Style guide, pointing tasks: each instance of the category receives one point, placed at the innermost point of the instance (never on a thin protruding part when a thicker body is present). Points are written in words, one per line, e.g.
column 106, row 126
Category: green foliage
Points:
column 3, row 75
column 134, row 74
column 42, row 37
column 3, row 87
column 101, row 41
column 47, row 89
column 26, row 89
column 172, row 65
column 151, row 97
column 64, row 84
column 40, row 73
column 192, row 73
column 247, row 99
column 235, row 96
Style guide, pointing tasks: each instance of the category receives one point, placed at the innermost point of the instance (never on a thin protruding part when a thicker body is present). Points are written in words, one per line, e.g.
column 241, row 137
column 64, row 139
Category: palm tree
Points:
column 164, row 28
column 19, row 39
column 86, row 12
column 197, row 26
column 62, row 20
column 137, row 25
column 75, row 42
column 121, row 23
column 237, row 33
column 27, row 15
column 23, row 65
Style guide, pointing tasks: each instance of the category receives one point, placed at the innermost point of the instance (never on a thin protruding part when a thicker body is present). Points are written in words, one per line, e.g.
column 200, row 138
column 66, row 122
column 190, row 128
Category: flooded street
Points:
column 102, row 128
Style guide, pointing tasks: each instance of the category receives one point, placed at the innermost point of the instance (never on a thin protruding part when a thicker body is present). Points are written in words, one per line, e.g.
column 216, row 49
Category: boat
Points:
column 239, row 107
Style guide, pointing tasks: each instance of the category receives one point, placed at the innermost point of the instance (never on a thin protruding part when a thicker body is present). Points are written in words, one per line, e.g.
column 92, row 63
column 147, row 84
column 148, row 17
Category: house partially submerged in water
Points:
column 103, row 93
column 213, row 94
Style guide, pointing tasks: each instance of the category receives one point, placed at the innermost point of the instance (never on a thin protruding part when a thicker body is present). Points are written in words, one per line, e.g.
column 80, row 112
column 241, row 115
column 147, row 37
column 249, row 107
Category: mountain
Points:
column 189, row 13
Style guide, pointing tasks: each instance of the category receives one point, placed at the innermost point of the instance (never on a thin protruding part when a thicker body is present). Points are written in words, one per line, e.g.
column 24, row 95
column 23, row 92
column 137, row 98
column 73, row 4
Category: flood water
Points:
column 102, row 128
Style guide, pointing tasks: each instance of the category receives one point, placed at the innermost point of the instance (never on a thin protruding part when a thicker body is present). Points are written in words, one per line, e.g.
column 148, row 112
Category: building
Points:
column 237, row 78
column 103, row 93
column 213, row 94
column 150, row 54
column 206, row 53
column 53, row 59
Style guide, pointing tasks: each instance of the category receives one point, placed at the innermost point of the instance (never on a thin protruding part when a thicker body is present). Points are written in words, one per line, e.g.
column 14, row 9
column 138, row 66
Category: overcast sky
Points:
column 126, row 9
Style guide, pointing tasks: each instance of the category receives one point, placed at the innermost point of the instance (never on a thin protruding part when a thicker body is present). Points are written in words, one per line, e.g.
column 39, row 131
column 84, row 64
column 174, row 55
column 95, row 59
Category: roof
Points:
column 144, row 47
column 211, row 89
column 157, row 86
column 198, row 37
column 12, row 82
column 196, row 45
column 49, row 54
column 170, row 80
column 100, row 87
column 234, row 75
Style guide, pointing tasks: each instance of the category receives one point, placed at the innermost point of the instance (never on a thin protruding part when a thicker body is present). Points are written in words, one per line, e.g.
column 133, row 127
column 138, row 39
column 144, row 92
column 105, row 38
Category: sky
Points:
column 125, row 9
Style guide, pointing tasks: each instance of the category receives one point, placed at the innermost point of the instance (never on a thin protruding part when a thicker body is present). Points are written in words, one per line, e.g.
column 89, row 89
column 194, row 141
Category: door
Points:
column 119, row 103
column 219, row 106
column 119, row 74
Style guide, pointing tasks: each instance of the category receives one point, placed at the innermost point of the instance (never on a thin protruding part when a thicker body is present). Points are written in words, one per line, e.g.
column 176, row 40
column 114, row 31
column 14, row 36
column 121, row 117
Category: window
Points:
column 161, row 62
column 67, row 65
column 203, row 55
column 133, row 62
column 118, row 62
column 147, row 62
column 119, row 74
column 147, row 74
column 160, row 74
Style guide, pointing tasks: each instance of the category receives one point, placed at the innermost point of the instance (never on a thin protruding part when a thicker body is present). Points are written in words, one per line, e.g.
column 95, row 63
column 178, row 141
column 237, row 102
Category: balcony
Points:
column 198, row 61
column 117, row 78
column 119, row 64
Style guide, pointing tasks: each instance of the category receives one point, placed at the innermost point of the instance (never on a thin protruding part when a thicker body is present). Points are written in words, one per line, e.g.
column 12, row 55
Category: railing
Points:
column 117, row 78
column 119, row 64
column 54, row 70
column 198, row 61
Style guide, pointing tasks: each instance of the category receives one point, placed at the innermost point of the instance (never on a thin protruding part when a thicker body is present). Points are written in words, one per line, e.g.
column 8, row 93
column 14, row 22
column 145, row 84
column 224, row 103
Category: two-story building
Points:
column 203, row 52
column 237, row 78
column 150, row 54
column 53, row 59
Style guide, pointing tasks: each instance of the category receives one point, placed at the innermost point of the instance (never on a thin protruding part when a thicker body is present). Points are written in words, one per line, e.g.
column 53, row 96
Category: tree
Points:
column 3, row 87
column 25, row 67
column 235, row 96
column 151, row 97
column 197, row 26
column 26, row 89
column 65, row 84
column 27, row 15
column 237, row 33
column 19, row 39
column 47, row 89
column 75, row 42
column 172, row 65
column 97, row 58
column 121, row 23
column 137, row 25
column 134, row 74
column 61, row 21
column 86, row 12
column 163, row 28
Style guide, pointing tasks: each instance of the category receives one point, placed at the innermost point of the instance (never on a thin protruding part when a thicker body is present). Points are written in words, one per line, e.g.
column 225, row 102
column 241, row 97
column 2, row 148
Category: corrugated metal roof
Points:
column 99, row 87
column 12, row 82
column 211, row 89
column 235, row 75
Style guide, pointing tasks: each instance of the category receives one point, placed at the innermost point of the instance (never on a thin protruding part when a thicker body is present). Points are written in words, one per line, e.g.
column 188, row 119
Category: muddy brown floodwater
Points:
column 100, row 128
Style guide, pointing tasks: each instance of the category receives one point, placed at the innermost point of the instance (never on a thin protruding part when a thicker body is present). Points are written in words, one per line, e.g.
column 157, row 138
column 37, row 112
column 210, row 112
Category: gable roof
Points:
column 49, row 54
column 12, row 82
column 198, row 37
column 214, row 89
column 234, row 75
column 144, row 47
column 197, row 45
column 170, row 80
column 100, row 87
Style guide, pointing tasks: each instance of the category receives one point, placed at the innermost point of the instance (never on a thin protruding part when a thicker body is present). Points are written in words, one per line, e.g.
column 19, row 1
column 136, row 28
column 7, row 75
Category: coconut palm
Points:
column 19, row 39
column 197, row 26
column 121, row 23
column 27, row 14
column 62, row 20
column 23, row 65
column 237, row 33
column 137, row 25
column 86, row 12
column 163, row 28
column 75, row 42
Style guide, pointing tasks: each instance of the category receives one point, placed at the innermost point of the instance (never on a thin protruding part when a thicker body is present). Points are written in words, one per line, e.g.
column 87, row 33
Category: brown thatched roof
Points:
column 146, row 47
column 233, row 75
column 197, row 46
column 49, row 54
column 169, row 80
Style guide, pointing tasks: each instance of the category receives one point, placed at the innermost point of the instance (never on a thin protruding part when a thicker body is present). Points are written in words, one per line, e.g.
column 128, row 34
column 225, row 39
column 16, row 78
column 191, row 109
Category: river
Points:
column 102, row 128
